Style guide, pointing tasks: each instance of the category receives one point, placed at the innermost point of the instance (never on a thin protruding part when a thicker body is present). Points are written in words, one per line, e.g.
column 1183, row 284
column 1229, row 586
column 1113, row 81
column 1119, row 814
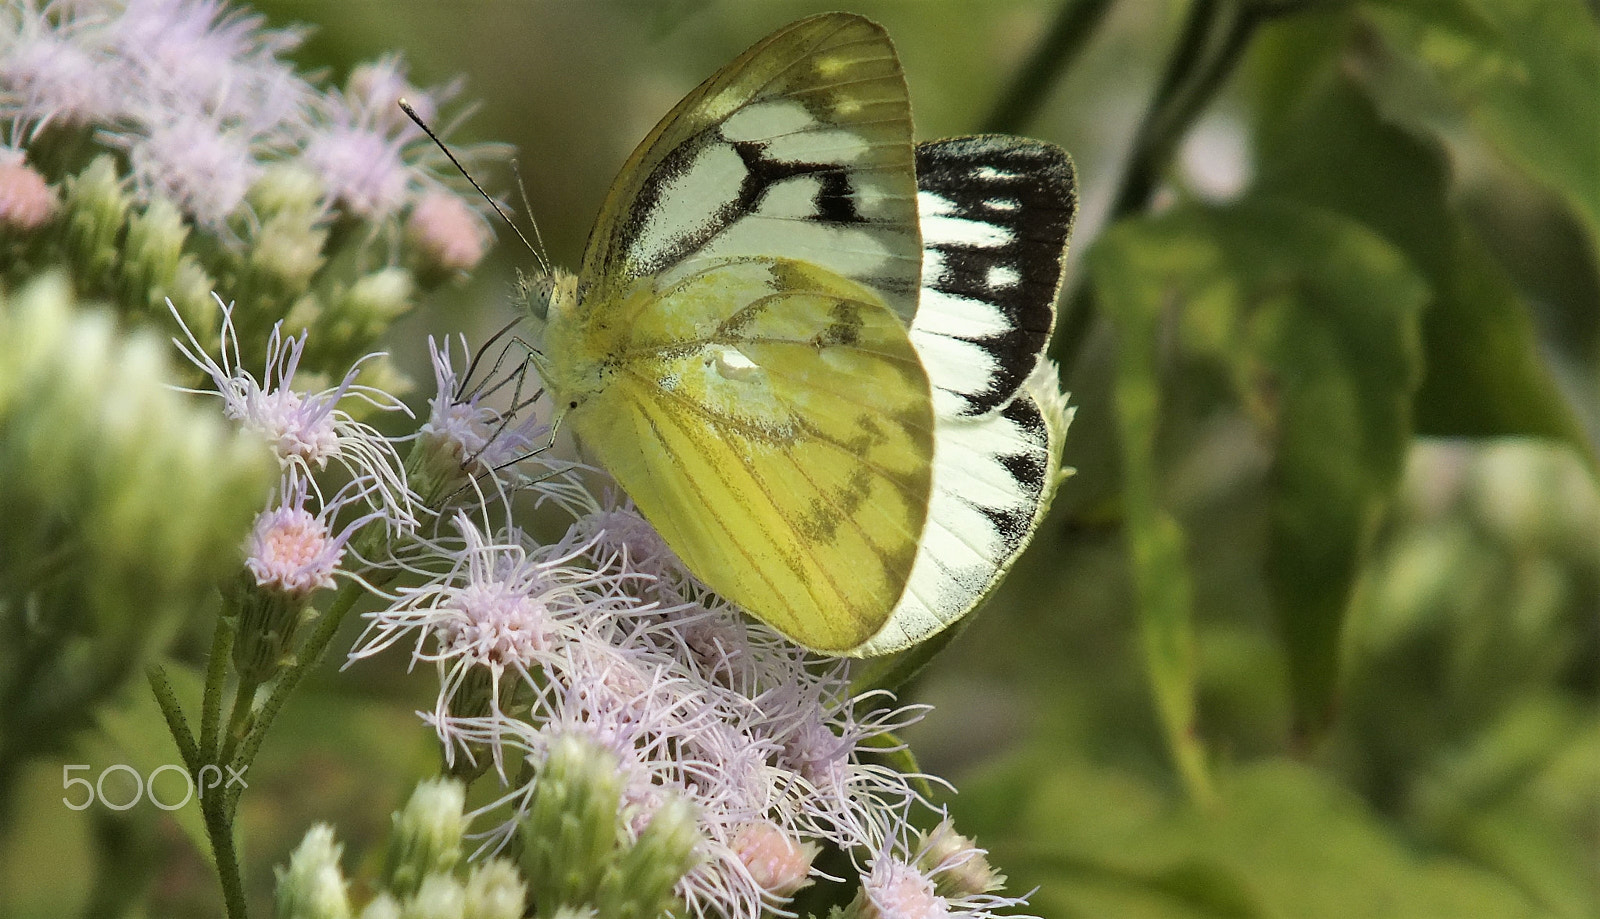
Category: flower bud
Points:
column 313, row 887
column 569, row 836
column 151, row 254
column 640, row 885
column 448, row 236
column 96, row 208
column 958, row 867
column 427, row 835
column 26, row 201
column 286, row 188
column 383, row 906
column 439, row 897
column 494, row 890
column 780, row 864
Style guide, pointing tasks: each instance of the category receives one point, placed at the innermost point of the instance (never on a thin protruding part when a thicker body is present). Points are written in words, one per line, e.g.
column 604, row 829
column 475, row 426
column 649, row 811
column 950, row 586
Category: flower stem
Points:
column 216, row 679
column 173, row 712
column 214, row 806
column 309, row 656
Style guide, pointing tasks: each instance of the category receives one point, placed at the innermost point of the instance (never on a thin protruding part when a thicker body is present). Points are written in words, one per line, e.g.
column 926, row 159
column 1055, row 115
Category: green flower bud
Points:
column 383, row 906
column 150, row 255
column 427, row 834
column 958, row 867
column 190, row 292
column 313, row 886
column 377, row 299
column 281, row 259
column 640, row 883
column 495, row 891
column 286, row 188
column 124, row 504
column 439, row 897
column 268, row 621
column 96, row 208
column 570, row 835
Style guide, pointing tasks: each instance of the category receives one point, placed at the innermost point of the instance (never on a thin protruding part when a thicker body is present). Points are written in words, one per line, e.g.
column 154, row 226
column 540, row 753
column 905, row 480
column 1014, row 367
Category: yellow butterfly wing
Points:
column 801, row 148
column 782, row 449
column 735, row 350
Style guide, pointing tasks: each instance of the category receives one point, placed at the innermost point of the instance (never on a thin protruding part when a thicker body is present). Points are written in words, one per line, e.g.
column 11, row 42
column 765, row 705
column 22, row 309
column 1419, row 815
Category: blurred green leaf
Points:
column 1130, row 282
column 1527, row 74
column 1323, row 141
column 1283, row 841
column 1326, row 359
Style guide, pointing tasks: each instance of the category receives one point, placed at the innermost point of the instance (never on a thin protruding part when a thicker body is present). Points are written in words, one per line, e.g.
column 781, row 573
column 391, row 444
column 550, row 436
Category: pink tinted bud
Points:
column 26, row 202
column 778, row 863
column 447, row 232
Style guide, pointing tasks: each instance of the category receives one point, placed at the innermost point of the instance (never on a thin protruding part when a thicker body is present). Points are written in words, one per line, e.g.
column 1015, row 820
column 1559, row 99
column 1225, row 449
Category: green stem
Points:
column 1075, row 23
column 1210, row 47
column 161, row 687
column 309, row 657
column 214, row 806
column 239, row 718
column 216, row 682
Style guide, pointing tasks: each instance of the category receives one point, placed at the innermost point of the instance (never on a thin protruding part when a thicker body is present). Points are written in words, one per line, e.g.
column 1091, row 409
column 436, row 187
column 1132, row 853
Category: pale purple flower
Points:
column 294, row 551
column 365, row 149
column 205, row 58
column 307, row 430
column 481, row 439
column 500, row 607
column 898, row 887
column 196, row 161
column 57, row 66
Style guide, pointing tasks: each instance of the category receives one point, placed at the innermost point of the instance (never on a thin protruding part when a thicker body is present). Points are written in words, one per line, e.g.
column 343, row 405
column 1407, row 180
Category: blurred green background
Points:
column 1315, row 629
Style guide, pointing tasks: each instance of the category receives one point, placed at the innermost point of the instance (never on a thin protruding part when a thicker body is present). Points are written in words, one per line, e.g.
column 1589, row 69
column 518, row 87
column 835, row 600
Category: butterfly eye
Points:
column 536, row 292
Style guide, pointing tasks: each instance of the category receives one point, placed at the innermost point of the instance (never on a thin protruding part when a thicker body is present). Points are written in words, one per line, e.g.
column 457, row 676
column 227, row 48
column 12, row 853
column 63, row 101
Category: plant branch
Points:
column 161, row 687
column 1055, row 53
column 1210, row 47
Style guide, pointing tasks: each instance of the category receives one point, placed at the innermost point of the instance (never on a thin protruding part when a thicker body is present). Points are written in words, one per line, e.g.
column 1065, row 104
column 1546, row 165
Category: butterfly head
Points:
column 539, row 292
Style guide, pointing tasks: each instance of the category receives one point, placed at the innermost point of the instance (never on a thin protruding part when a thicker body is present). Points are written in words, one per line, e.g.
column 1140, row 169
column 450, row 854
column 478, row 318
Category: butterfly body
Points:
column 739, row 349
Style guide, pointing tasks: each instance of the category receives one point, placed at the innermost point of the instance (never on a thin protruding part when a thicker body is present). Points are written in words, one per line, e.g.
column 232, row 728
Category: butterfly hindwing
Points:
column 996, row 217
column 801, row 149
column 780, row 441
column 993, row 480
column 996, row 214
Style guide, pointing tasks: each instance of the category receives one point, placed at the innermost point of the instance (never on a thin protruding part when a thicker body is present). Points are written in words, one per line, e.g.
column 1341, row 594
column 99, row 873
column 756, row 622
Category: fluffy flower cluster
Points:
column 601, row 635
column 200, row 99
column 150, row 147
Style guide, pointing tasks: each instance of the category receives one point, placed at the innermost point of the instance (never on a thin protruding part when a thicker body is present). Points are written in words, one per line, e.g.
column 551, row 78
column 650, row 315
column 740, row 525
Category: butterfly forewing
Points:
column 773, row 421
column 996, row 215
column 799, row 149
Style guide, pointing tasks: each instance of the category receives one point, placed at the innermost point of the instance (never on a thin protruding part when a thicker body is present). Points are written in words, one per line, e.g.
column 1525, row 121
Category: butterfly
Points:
column 810, row 349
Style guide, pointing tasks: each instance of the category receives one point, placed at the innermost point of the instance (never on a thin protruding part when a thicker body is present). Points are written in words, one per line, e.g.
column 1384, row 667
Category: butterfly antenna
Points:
column 527, row 208
column 412, row 114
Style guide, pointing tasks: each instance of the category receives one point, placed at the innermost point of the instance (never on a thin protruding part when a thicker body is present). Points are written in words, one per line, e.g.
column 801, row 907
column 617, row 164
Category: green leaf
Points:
column 1325, row 357
column 1282, row 841
column 1527, row 75
column 1323, row 141
column 1129, row 277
